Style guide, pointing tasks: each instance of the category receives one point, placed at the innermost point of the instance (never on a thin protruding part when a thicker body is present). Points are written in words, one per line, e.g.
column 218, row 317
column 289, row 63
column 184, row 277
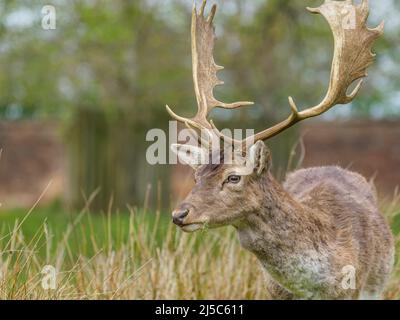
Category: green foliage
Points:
column 396, row 224
column 105, row 230
column 135, row 56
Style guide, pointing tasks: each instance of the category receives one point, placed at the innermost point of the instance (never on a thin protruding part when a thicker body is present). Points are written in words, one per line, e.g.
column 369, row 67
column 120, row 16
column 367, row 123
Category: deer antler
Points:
column 352, row 56
column 353, row 42
column 204, row 71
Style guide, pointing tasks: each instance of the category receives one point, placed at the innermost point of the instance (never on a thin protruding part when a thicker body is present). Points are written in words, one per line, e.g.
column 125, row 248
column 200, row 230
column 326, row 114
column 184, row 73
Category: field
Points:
column 131, row 255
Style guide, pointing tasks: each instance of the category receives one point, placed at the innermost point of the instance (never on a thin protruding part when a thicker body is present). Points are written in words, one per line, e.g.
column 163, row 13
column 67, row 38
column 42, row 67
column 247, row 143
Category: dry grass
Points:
column 391, row 208
column 208, row 265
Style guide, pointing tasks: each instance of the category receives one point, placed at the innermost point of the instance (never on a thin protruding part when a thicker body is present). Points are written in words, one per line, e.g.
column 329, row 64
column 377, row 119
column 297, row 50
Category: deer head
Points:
column 225, row 192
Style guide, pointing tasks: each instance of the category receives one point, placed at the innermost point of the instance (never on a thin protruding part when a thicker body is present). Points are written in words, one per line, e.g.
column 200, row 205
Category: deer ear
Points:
column 190, row 155
column 260, row 157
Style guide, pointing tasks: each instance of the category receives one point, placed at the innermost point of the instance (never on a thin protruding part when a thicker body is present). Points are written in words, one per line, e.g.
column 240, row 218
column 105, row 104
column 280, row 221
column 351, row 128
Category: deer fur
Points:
column 306, row 232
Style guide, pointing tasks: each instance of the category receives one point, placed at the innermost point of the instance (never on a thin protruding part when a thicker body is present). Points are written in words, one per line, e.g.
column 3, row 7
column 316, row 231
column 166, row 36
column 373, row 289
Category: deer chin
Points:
column 192, row 227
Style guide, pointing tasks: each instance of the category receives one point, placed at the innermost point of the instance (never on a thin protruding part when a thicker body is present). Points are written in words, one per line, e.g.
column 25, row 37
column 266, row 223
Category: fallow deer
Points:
column 321, row 222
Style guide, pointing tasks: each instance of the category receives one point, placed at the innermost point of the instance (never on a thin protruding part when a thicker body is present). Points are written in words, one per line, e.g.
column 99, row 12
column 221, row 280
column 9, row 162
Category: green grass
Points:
column 121, row 256
column 132, row 255
column 396, row 224
column 86, row 228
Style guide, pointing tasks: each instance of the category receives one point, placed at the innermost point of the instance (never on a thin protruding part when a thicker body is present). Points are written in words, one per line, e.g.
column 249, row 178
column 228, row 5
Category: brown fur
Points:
column 305, row 232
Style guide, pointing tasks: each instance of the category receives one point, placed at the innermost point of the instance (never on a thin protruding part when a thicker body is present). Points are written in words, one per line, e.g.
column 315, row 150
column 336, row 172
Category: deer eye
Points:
column 235, row 179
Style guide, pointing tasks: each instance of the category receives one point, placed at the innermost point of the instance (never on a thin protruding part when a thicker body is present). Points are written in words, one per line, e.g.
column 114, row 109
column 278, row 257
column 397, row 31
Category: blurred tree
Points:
column 106, row 71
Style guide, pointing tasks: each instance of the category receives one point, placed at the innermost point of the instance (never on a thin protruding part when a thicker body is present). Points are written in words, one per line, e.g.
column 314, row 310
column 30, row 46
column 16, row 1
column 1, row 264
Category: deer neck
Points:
column 281, row 232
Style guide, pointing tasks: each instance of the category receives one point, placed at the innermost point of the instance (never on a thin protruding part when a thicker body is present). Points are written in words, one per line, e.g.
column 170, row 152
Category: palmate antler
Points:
column 352, row 56
column 204, row 70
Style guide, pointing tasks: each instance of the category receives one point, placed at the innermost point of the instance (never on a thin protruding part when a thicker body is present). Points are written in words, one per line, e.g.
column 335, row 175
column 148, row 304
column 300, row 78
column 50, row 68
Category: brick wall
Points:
column 370, row 148
column 32, row 157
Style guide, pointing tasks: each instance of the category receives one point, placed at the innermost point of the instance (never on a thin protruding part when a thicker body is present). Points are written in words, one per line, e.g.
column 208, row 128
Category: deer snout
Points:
column 178, row 216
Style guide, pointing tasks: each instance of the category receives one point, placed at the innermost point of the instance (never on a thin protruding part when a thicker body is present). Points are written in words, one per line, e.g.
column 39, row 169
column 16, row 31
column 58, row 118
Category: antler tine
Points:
column 212, row 13
column 204, row 71
column 352, row 56
column 203, row 6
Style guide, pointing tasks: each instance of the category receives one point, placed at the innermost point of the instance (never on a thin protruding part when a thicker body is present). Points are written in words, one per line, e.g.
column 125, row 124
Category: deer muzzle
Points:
column 183, row 217
column 178, row 216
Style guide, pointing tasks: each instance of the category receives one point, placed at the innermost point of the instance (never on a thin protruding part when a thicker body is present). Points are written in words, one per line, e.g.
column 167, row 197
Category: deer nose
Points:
column 179, row 215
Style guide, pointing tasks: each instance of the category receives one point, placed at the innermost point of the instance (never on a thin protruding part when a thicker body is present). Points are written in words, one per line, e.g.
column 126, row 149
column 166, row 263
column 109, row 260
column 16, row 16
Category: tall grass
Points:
column 391, row 209
column 153, row 261
column 137, row 258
